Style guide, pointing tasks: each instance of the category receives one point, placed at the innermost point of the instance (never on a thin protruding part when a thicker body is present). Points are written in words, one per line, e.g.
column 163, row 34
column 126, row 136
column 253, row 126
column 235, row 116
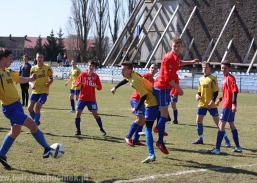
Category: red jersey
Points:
column 228, row 88
column 87, row 90
column 168, row 71
column 135, row 95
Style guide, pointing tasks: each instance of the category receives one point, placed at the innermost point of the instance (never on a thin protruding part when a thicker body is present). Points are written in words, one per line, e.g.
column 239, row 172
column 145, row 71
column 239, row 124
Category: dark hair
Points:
column 128, row 65
column 40, row 53
column 92, row 62
column 5, row 52
column 177, row 40
column 226, row 63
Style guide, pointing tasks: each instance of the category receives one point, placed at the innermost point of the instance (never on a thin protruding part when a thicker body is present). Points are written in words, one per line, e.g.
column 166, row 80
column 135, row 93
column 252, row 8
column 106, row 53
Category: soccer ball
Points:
column 57, row 150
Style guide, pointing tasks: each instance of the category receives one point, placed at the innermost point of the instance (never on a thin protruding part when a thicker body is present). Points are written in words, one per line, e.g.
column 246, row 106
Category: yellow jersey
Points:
column 143, row 87
column 74, row 75
column 43, row 73
column 8, row 92
column 207, row 85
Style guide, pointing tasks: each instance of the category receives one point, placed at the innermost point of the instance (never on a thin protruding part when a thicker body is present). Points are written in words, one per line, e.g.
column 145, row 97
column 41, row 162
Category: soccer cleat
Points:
column 141, row 133
column 227, row 143
column 214, row 151
column 46, row 152
column 102, row 131
column 149, row 159
column 175, row 122
column 238, row 150
column 129, row 141
column 4, row 162
column 162, row 148
column 78, row 132
column 138, row 143
column 155, row 130
column 198, row 141
column 169, row 119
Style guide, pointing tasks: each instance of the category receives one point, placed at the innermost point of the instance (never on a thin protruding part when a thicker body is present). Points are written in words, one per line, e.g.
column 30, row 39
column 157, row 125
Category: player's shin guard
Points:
column 99, row 122
column 32, row 114
column 161, row 129
column 235, row 137
column 72, row 103
column 199, row 129
column 220, row 136
column 136, row 136
column 132, row 129
column 37, row 118
column 77, row 123
column 39, row 136
column 6, row 145
column 175, row 114
column 149, row 141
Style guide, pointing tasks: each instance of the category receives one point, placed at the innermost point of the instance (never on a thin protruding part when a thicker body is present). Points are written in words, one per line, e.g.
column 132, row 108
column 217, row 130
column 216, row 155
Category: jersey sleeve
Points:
column 49, row 72
column 15, row 76
column 98, row 83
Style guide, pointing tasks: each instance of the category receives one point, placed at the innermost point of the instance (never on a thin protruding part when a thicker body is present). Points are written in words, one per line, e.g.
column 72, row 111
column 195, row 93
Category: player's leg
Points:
column 7, row 143
column 150, row 115
column 234, row 133
column 92, row 107
column 80, row 106
column 38, row 135
column 23, row 94
column 32, row 102
column 41, row 100
column 72, row 102
column 226, row 139
column 140, row 122
column 26, row 95
column 174, row 101
column 201, row 112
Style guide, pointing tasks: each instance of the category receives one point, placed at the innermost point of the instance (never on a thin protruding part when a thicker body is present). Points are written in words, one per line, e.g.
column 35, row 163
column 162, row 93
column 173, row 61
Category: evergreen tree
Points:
column 51, row 47
column 60, row 42
column 39, row 46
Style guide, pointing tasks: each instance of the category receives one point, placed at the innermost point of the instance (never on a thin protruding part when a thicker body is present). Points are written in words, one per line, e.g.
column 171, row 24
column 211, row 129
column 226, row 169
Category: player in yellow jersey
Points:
column 145, row 90
column 208, row 90
column 12, row 108
column 75, row 72
column 40, row 87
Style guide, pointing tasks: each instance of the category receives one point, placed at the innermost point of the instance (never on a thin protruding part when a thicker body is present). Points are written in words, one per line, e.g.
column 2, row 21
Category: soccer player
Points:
column 75, row 72
column 25, row 72
column 137, row 126
column 229, row 108
column 40, row 87
column 164, row 82
column 12, row 108
column 145, row 90
column 88, row 81
column 208, row 90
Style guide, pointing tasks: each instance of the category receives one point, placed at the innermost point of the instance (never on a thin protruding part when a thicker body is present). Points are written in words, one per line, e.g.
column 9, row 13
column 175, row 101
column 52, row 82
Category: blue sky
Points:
column 33, row 17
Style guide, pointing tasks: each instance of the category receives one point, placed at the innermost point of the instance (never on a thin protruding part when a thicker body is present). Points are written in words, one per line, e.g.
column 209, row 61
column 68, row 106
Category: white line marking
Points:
column 181, row 173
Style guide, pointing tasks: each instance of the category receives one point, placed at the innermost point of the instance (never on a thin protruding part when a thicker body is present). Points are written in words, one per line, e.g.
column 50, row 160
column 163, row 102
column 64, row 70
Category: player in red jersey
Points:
column 165, row 81
column 229, row 108
column 89, row 81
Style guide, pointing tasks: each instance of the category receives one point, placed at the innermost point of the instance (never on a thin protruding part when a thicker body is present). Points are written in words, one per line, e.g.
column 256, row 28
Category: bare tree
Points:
column 81, row 21
column 101, row 22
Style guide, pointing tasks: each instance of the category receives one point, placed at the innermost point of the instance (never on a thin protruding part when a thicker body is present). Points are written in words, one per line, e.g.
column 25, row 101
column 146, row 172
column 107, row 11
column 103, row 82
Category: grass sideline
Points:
column 94, row 158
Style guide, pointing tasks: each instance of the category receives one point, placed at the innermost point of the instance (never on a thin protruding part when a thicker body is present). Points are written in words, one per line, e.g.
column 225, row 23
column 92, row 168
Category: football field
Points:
column 92, row 157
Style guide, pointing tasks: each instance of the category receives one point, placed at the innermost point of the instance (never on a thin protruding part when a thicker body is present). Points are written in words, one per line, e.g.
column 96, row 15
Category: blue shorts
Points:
column 174, row 99
column 91, row 106
column 40, row 98
column 202, row 111
column 75, row 92
column 151, row 113
column 141, row 110
column 227, row 115
column 15, row 113
column 162, row 96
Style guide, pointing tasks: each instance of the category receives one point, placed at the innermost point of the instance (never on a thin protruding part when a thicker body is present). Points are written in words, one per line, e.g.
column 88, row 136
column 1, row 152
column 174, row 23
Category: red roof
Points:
column 30, row 42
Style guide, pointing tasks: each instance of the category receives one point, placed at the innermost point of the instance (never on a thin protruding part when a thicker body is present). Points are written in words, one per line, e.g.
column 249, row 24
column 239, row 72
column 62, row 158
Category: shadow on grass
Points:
column 194, row 125
column 55, row 177
column 4, row 129
column 86, row 137
column 222, row 169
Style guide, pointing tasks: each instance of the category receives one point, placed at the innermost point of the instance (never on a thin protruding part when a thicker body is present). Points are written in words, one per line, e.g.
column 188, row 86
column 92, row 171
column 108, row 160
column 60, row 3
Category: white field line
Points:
column 181, row 173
